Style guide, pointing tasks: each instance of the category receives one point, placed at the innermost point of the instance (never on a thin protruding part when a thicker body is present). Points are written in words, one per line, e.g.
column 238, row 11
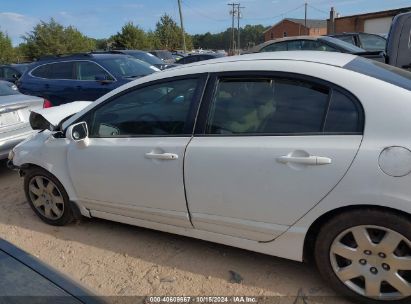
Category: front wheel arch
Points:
column 24, row 168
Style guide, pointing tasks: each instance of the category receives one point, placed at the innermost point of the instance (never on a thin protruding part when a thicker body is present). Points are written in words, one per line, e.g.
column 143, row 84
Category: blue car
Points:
column 86, row 76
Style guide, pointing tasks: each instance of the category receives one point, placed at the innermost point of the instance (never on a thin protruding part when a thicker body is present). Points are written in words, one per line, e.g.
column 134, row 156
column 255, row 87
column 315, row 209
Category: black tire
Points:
column 349, row 220
column 68, row 213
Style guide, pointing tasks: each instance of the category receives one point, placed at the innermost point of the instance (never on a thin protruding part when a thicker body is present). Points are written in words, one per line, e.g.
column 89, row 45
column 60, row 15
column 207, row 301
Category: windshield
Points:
column 381, row 71
column 147, row 57
column 343, row 45
column 7, row 88
column 126, row 66
column 21, row 67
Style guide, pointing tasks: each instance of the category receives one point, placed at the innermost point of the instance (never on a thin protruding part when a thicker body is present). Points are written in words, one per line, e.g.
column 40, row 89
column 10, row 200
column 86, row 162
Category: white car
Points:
column 292, row 154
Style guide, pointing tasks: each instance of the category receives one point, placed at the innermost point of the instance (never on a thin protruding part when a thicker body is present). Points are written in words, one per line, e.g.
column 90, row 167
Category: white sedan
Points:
column 292, row 154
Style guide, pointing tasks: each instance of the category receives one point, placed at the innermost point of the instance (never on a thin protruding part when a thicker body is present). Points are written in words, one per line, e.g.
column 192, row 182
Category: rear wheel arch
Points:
column 311, row 236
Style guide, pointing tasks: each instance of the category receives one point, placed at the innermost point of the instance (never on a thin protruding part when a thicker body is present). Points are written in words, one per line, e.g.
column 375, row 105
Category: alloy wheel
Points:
column 373, row 261
column 46, row 197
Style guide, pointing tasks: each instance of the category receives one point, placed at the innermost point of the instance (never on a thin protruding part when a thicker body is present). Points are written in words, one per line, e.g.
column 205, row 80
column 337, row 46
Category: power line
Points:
column 279, row 15
column 317, row 9
column 198, row 12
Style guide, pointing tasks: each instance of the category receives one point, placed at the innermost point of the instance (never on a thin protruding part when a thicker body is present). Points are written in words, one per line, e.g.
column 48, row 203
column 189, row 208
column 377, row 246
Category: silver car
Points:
column 14, row 116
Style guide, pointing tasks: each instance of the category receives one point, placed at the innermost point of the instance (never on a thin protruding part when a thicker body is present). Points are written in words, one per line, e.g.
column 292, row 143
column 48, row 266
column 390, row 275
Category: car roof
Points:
column 207, row 66
column 80, row 56
column 329, row 58
column 127, row 51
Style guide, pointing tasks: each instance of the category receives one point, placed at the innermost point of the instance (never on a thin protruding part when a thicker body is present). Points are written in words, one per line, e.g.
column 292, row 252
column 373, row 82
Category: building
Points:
column 374, row 23
column 296, row 27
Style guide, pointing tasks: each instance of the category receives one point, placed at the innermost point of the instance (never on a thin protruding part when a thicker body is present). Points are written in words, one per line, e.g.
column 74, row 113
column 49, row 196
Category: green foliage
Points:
column 168, row 33
column 52, row 38
column 249, row 35
column 6, row 49
column 131, row 37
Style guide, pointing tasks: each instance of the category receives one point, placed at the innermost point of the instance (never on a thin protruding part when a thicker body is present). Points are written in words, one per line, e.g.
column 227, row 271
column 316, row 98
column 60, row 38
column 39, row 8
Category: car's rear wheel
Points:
column 366, row 255
column 47, row 197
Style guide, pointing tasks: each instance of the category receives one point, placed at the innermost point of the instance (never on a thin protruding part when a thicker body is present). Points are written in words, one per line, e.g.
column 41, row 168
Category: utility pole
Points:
column 238, row 26
column 305, row 16
column 182, row 26
column 232, row 12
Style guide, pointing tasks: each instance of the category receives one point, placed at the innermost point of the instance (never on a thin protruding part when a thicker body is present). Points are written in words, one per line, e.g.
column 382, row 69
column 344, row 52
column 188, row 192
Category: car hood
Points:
column 52, row 118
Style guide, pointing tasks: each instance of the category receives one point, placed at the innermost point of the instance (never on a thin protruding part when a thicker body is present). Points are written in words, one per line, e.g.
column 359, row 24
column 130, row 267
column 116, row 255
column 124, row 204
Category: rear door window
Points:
column 281, row 106
column 62, row 70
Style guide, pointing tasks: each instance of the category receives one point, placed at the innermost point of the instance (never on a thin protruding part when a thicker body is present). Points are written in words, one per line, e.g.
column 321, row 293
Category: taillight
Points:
column 47, row 104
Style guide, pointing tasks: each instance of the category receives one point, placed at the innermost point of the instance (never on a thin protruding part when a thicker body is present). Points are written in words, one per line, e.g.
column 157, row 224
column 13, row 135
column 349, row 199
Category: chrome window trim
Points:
column 83, row 60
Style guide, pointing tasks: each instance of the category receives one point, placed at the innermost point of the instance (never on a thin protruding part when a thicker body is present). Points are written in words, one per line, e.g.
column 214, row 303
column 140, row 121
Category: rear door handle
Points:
column 164, row 156
column 308, row 160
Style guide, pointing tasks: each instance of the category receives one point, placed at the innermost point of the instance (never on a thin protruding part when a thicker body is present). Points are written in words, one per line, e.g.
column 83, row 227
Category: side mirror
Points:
column 15, row 77
column 78, row 133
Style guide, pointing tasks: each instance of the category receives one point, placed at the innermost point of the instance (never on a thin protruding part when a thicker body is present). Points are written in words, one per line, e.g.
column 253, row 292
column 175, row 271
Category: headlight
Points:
column 11, row 155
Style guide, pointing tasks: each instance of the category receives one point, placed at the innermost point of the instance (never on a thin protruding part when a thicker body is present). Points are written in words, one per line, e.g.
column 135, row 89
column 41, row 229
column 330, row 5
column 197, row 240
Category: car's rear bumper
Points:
column 8, row 143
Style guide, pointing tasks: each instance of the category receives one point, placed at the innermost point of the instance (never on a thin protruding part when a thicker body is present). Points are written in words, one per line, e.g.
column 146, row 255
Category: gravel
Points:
column 114, row 259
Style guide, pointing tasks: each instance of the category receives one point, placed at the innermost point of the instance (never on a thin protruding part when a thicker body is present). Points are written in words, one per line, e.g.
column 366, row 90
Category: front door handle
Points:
column 164, row 156
column 304, row 160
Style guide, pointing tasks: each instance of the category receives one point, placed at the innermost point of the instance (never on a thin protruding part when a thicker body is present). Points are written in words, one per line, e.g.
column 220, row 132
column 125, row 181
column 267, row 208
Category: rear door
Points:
column 268, row 147
column 53, row 81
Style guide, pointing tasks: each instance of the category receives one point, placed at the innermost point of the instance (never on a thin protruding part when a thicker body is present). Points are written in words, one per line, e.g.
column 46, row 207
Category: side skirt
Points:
column 289, row 245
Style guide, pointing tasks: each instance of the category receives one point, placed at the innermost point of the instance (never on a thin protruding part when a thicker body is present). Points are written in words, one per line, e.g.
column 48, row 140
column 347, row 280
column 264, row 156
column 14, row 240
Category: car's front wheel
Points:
column 47, row 197
column 366, row 255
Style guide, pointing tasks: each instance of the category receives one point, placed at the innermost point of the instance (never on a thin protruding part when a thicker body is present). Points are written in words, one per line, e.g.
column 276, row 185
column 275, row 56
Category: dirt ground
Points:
column 113, row 259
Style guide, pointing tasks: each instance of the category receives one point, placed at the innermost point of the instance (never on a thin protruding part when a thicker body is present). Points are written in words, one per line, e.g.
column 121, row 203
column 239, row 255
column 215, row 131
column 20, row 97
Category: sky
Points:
column 103, row 18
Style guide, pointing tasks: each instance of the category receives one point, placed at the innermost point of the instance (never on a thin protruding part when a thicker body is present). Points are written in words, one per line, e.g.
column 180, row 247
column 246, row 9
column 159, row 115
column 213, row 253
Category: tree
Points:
column 131, row 37
column 6, row 49
column 249, row 35
column 52, row 38
column 168, row 33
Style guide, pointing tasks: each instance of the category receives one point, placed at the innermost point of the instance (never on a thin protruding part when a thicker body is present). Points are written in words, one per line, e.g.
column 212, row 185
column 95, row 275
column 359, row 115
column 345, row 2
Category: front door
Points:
column 92, row 81
column 271, row 148
column 133, row 163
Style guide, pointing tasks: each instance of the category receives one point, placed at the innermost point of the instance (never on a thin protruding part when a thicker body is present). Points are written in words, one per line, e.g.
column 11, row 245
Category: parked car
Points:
column 25, row 277
column 399, row 42
column 177, row 55
column 315, row 43
column 366, row 41
column 268, row 152
column 12, row 72
column 86, row 76
column 146, row 57
column 164, row 55
column 198, row 57
column 14, row 116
